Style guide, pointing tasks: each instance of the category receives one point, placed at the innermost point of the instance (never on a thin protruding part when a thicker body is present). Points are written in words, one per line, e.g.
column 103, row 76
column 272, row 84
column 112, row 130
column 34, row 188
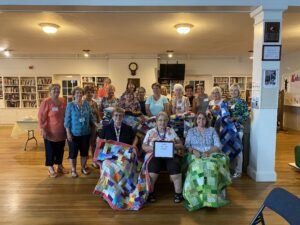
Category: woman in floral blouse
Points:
column 110, row 100
column 239, row 114
column 207, row 169
column 130, row 103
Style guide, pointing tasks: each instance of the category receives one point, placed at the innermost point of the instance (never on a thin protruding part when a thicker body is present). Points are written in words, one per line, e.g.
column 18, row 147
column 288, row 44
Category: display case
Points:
column 28, row 92
column 11, row 92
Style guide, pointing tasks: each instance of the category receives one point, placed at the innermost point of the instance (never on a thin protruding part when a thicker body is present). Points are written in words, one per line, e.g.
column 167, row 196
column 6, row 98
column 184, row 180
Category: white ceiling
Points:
column 137, row 33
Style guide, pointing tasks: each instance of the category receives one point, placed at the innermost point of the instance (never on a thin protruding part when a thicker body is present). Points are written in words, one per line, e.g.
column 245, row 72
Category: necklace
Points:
column 162, row 137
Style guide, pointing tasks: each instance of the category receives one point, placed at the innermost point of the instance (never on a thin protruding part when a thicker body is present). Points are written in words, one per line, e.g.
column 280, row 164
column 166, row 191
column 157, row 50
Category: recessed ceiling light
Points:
column 86, row 53
column 49, row 28
column 7, row 52
column 170, row 53
column 2, row 49
column 250, row 54
column 183, row 28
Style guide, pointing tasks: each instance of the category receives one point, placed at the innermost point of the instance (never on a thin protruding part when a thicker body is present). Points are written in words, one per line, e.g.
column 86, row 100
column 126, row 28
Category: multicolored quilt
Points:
column 205, row 181
column 232, row 144
column 124, row 182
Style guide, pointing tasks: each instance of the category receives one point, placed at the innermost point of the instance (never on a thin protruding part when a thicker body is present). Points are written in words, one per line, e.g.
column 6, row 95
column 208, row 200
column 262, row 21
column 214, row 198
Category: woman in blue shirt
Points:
column 156, row 103
column 78, row 118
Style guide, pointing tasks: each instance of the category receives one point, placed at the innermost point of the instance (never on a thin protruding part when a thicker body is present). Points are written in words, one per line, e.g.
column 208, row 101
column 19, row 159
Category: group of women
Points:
column 204, row 166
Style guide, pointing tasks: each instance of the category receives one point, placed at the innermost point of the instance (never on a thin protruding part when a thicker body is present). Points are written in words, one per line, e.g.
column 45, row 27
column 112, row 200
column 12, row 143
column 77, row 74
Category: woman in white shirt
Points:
column 180, row 103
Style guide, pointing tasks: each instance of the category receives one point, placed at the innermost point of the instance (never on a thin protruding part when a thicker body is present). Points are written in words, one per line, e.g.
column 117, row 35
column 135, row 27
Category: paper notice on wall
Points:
column 256, row 92
column 294, row 86
column 292, row 99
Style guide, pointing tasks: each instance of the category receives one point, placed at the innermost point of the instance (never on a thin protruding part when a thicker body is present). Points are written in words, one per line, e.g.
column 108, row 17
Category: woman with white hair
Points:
column 239, row 114
column 180, row 103
column 214, row 106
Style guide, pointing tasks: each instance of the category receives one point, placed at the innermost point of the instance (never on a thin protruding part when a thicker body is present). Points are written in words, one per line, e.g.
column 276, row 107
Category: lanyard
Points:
column 162, row 137
column 118, row 132
column 80, row 109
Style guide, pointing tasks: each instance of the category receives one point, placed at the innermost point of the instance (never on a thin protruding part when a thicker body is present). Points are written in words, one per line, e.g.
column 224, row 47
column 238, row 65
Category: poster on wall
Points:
column 270, row 78
column 272, row 31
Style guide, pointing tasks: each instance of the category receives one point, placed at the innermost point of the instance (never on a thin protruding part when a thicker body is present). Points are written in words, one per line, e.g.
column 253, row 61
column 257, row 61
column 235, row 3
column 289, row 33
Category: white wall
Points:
column 117, row 68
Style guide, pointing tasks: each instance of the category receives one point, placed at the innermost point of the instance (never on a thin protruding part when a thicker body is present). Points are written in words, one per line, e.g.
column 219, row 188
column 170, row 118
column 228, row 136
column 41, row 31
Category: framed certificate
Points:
column 163, row 149
column 271, row 53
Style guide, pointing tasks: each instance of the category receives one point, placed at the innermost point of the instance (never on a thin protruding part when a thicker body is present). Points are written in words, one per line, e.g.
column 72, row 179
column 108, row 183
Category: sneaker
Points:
column 151, row 198
column 74, row 174
column 236, row 175
column 85, row 171
column 178, row 198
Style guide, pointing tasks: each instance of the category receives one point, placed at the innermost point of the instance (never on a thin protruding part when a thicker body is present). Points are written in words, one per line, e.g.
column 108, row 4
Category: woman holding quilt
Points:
column 122, row 182
column 207, row 169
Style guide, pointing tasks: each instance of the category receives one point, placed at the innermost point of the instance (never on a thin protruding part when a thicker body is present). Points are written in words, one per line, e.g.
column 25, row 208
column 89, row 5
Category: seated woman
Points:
column 122, row 182
column 155, row 165
column 207, row 169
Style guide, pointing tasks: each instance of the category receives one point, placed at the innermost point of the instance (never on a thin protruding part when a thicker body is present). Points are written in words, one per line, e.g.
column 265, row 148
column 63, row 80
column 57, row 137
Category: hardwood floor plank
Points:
column 28, row 196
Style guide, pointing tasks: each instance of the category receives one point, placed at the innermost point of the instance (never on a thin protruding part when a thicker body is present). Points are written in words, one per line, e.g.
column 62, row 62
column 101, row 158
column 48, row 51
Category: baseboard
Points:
column 261, row 176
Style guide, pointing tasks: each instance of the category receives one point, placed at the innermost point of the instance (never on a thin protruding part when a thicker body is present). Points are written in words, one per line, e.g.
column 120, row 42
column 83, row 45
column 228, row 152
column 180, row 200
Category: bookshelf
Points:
column 100, row 81
column 43, row 84
column 223, row 83
column 88, row 81
column 28, row 92
column 11, row 92
column 1, row 88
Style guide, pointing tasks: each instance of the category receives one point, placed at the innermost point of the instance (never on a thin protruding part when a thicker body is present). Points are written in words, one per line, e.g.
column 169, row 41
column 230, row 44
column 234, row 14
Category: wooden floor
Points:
column 28, row 196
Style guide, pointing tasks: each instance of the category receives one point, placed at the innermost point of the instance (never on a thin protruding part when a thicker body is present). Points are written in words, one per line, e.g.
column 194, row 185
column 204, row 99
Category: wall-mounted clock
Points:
column 133, row 68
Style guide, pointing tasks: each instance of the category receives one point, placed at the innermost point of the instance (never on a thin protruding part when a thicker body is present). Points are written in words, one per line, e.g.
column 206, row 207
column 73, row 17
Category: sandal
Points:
column 178, row 198
column 151, row 198
column 52, row 174
column 74, row 174
column 62, row 170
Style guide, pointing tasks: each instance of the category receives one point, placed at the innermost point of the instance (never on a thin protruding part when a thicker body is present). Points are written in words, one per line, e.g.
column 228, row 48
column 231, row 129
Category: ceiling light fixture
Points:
column 86, row 53
column 7, row 52
column 49, row 28
column 250, row 54
column 183, row 28
column 2, row 49
column 170, row 53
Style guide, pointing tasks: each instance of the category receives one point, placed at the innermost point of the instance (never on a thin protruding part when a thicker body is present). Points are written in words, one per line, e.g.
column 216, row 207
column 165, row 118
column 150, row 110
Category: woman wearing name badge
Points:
column 122, row 181
column 78, row 120
column 206, row 168
column 239, row 114
column 156, row 102
column 155, row 165
column 180, row 103
column 51, row 119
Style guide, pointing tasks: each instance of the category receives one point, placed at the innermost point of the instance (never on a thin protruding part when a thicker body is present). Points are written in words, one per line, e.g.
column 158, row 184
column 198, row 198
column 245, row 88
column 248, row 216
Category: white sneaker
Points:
column 236, row 175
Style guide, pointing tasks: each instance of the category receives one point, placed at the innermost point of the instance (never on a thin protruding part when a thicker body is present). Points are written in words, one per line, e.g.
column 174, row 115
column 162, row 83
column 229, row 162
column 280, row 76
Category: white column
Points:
column 264, row 118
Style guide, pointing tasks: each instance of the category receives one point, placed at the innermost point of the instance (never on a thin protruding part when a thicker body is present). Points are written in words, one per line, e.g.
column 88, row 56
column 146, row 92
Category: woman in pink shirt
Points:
column 51, row 122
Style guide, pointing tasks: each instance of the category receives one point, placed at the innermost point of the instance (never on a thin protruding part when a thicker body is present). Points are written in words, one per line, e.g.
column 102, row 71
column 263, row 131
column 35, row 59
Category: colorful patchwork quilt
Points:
column 205, row 181
column 124, row 181
column 232, row 144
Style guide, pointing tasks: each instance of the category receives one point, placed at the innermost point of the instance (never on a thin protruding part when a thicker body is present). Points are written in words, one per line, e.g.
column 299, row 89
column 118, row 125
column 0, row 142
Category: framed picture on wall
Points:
column 272, row 31
column 270, row 78
column 271, row 53
column 135, row 81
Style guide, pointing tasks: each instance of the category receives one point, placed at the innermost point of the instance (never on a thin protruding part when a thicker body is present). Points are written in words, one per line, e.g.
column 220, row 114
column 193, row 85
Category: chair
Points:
column 283, row 203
